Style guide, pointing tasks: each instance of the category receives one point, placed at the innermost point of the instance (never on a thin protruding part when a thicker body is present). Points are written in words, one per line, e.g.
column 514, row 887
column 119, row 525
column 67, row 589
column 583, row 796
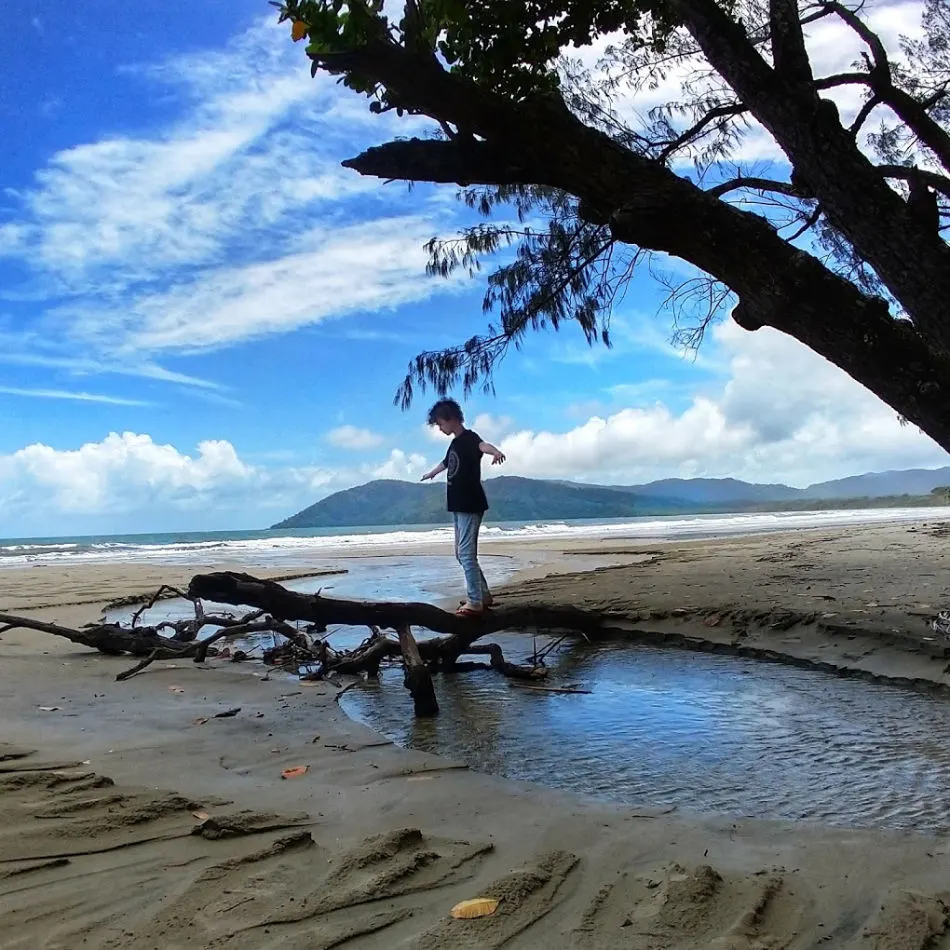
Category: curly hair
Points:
column 445, row 410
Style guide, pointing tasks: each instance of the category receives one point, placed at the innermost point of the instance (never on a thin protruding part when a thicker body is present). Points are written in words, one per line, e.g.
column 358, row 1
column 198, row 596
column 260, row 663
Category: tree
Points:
column 845, row 253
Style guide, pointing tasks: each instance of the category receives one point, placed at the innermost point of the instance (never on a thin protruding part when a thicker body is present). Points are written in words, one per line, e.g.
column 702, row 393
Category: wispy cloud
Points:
column 363, row 267
column 79, row 366
column 231, row 222
column 66, row 394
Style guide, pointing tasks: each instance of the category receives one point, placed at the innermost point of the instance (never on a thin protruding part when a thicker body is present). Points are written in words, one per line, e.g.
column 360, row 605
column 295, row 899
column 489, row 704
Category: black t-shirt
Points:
column 463, row 464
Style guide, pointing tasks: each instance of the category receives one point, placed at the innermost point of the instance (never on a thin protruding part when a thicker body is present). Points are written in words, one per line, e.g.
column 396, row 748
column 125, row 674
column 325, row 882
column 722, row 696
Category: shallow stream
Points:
column 662, row 727
column 703, row 732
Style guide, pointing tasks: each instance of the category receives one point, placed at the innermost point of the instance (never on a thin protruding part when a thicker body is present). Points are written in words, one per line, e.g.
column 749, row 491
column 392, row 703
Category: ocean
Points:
column 295, row 548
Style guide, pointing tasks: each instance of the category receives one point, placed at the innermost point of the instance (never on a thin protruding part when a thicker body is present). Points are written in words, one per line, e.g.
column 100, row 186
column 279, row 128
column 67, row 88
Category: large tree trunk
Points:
column 912, row 260
column 649, row 205
column 777, row 284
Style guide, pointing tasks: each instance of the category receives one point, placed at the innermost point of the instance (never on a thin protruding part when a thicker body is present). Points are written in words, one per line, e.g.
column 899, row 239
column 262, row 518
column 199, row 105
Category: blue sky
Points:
column 203, row 317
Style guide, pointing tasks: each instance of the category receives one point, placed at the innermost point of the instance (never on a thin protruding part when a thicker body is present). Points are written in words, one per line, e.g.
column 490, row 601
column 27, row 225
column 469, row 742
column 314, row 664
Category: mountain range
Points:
column 388, row 502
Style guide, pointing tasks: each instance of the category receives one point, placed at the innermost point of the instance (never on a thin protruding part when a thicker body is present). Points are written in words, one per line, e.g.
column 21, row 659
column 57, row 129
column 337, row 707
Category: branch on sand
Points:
column 148, row 643
column 273, row 607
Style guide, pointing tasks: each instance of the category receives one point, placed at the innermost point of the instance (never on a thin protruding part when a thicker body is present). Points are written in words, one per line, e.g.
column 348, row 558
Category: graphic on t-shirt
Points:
column 452, row 464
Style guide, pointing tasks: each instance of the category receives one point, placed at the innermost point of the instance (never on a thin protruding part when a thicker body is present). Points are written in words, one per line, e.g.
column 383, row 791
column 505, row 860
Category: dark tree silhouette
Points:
column 846, row 253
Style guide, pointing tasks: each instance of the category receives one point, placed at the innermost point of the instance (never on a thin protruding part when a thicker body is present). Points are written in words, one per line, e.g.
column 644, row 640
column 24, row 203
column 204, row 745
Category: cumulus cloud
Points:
column 351, row 437
column 777, row 412
column 128, row 482
column 782, row 413
column 123, row 472
column 491, row 427
column 401, row 465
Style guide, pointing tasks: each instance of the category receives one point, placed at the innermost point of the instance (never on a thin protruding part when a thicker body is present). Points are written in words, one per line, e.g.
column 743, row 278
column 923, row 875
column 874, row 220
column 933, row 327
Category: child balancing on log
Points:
column 465, row 496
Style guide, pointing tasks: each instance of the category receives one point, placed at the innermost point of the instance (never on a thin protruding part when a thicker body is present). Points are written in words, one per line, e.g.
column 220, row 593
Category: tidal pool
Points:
column 660, row 727
column 703, row 732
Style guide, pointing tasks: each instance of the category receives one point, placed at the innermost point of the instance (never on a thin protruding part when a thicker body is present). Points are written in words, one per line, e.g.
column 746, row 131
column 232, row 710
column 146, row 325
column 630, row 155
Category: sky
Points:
column 204, row 317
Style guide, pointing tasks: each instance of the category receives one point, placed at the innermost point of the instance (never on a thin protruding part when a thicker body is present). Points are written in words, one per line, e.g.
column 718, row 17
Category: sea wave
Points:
column 267, row 546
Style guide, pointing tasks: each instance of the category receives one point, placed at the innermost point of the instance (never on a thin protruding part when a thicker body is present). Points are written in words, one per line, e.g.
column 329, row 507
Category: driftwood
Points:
column 244, row 590
column 148, row 643
column 418, row 678
column 439, row 653
column 272, row 606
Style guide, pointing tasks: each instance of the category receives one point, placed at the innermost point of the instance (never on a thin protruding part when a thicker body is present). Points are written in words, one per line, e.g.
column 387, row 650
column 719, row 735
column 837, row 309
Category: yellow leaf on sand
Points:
column 298, row 31
column 478, row 907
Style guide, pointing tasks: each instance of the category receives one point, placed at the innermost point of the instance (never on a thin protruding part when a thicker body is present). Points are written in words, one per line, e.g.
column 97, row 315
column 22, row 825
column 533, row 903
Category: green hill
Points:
column 390, row 502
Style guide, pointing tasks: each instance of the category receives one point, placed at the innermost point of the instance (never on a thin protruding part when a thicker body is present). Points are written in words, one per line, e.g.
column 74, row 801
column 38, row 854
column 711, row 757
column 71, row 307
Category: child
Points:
column 465, row 497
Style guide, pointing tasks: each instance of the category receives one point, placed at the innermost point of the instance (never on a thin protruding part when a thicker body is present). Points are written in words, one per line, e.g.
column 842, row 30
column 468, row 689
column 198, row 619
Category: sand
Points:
column 127, row 822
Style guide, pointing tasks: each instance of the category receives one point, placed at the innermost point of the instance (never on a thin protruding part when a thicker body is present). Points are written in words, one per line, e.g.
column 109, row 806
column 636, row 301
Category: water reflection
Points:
column 705, row 732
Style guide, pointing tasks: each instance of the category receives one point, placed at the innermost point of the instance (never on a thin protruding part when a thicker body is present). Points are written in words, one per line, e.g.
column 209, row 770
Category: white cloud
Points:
column 351, row 437
column 363, row 267
column 833, row 48
column 128, row 482
column 79, row 366
column 778, row 412
column 783, row 414
column 491, row 427
column 66, row 394
column 121, row 473
column 178, row 196
column 233, row 221
column 402, row 465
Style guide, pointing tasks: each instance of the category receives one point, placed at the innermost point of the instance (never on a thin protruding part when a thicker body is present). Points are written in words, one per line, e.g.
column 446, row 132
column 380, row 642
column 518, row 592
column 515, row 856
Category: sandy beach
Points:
column 133, row 817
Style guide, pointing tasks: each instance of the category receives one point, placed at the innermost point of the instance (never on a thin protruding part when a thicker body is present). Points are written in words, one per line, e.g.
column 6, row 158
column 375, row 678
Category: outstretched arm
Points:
column 438, row 470
column 497, row 456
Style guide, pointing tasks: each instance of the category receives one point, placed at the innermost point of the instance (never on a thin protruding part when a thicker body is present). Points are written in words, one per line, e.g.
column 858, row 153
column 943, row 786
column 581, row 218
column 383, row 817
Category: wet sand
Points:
column 200, row 842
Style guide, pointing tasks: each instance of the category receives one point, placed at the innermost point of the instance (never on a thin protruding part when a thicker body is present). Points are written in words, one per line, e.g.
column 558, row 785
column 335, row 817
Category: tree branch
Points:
column 719, row 112
column 807, row 224
column 829, row 164
column 881, row 62
column 232, row 588
column 864, row 114
column 912, row 112
column 916, row 117
column 757, row 184
column 843, row 79
column 910, row 172
column 461, row 161
column 652, row 207
column 788, row 42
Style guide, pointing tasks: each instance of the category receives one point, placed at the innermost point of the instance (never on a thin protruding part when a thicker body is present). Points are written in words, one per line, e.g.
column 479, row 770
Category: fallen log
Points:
column 243, row 590
column 442, row 653
column 272, row 606
column 147, row 642
column 108, row 638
